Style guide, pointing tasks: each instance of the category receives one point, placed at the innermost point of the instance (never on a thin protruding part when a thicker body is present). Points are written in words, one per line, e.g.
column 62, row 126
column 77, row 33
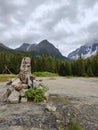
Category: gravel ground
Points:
column 75, row 99
column 84, row 88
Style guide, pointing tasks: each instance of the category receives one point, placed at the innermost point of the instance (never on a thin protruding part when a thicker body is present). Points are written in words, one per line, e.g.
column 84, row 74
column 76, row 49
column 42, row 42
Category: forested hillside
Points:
column 80, row 67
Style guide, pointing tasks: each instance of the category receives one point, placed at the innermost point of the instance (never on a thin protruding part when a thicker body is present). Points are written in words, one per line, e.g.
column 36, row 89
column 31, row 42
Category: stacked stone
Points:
column 16, row 91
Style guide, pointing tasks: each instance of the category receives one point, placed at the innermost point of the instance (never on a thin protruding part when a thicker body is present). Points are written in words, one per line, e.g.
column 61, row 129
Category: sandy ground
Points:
column 84, row 88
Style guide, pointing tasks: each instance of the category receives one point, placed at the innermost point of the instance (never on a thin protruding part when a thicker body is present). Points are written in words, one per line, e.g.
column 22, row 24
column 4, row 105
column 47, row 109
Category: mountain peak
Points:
column 87, row 50
column 41, row 49
column 45, row 42
column 23, row 47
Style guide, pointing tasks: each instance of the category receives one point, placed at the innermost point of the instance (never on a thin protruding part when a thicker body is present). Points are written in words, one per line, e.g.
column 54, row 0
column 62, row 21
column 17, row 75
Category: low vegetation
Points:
column 5, row 77
column 44, row 74
column 81, row 67
column 71, row 126
column 36, row 95
column 74, row 126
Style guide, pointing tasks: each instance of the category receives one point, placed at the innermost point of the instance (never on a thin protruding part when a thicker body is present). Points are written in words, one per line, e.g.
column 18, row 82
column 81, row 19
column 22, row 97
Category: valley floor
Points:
column 84, row 88
column 82, row 96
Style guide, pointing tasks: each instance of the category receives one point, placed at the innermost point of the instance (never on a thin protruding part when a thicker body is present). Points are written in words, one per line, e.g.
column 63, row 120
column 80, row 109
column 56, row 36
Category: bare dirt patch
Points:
column 84, row 88
column 74, row 98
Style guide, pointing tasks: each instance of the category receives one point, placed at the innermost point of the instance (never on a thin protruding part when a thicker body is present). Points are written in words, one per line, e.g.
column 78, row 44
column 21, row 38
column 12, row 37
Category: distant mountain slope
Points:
column 85, row 51
column 3, row 47
column 43, row 48
column 23, row 47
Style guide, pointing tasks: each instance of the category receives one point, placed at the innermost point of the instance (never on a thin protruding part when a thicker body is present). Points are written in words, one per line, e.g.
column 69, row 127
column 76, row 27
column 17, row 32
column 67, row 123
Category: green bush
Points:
column 36, row 95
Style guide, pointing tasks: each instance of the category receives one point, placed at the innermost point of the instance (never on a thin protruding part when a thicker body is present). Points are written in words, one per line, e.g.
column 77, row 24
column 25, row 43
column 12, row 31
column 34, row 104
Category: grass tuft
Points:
column 44, row 74
column 5, row 77
column 74, row 126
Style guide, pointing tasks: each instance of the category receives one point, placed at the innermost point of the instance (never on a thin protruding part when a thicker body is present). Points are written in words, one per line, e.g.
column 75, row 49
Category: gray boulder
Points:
column 13, row 97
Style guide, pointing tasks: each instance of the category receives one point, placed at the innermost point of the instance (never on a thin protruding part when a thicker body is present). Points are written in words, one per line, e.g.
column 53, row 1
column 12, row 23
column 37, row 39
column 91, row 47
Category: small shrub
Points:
column 37, row 95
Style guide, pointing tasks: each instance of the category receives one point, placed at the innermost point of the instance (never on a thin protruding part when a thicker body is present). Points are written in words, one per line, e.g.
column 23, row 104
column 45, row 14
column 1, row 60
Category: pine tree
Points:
column 89, row 66
column 95, row 65
column 62, row 70
column 80, row 67
column 68, row 68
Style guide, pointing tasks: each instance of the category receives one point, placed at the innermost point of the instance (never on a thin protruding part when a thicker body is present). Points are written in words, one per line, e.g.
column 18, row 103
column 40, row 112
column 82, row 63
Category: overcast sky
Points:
column 65, row 23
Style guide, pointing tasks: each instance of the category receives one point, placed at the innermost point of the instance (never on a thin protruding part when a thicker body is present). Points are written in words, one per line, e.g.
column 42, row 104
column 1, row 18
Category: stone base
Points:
column 23, row 100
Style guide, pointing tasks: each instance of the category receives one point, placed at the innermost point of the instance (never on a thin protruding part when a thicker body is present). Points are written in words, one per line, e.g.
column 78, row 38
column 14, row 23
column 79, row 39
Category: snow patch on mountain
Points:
column 85, row 51
column 28, row 47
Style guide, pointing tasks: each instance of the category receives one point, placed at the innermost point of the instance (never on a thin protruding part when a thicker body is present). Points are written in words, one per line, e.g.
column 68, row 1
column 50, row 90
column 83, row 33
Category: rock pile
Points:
column 17, row 87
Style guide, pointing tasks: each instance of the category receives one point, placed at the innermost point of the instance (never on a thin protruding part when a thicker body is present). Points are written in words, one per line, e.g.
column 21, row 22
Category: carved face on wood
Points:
column 26, row 65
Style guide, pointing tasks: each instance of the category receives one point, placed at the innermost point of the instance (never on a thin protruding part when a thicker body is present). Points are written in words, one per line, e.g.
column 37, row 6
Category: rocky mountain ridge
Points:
column 41, row 49
column 46, row 48
column 85, row 51
column 3, row 47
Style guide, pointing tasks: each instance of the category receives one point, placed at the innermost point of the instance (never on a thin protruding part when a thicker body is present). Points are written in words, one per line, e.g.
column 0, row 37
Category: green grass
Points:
column 5, row 77
column 74, row 126
column 44, row 74
column 71, row 126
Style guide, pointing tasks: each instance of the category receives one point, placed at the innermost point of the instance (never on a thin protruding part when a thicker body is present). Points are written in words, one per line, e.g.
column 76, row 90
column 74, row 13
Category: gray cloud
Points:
column 89, row 3
column 67, row 24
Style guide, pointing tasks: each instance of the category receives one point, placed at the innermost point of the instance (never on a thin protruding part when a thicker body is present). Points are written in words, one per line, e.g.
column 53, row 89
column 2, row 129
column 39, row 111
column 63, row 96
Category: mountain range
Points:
column 85, row 51
column 41, row 49
column 3, row 47
column 46, row 48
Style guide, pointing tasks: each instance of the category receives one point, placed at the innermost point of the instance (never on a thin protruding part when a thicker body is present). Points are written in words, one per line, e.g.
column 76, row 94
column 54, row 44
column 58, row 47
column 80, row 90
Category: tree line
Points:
column 79, row 67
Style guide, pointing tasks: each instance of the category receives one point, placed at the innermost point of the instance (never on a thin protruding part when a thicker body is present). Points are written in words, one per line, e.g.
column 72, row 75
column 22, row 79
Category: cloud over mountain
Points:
column 66, row 23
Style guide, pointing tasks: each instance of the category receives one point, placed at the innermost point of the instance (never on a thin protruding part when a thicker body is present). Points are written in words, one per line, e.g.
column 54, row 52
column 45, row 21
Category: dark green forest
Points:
column 80, row 67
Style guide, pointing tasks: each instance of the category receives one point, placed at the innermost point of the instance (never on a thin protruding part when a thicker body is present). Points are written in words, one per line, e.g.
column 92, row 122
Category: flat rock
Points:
column 50, row 108
column 22, row 92
column 24, row 100
column 14, row 97
column 16, row 82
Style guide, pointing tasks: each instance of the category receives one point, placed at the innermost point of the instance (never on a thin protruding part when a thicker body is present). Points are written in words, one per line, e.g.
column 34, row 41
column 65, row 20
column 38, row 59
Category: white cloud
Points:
column 66, row 23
